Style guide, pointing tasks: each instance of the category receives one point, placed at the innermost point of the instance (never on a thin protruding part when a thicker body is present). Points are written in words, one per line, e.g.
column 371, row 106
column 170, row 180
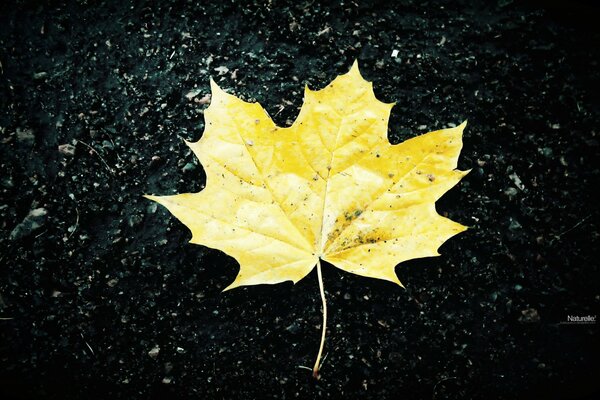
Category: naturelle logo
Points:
column 580, row 320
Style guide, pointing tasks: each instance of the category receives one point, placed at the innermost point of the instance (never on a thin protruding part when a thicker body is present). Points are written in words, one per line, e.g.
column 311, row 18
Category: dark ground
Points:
column 107, row 276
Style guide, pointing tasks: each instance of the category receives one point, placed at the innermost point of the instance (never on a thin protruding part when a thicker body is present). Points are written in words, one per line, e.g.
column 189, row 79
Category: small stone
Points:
column 134, row 220
column 154, row 160
column 152, row 207
column 168, row 367
column 154, row 352
column 67, row 149
column 203, row 100
column 563, row 162
column 293, row 328
column 511, row 192
column 517, row 181
column 25, row 135
column 529, row 315
column 546, row 152
column 479, row 174
column 222, row 70
column 192, row 93
column 166, row 380
column 514, row 225
column 383, row 323
column 347, row 296
column 189, row 167
column 40, row 75
column 33, row 221
column 112, row 282
column 8, row 182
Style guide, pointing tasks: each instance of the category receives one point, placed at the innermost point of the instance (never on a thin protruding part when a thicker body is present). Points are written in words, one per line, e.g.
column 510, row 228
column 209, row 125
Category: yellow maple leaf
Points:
column 330, row 187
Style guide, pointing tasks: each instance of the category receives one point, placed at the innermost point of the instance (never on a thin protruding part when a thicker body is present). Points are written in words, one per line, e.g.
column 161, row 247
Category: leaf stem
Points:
column 318, row 360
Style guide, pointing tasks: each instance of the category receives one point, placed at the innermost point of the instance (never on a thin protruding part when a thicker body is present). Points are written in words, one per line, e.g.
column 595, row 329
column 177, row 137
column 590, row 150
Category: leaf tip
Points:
column 188, row 143
column 460, row 228
column 150, row 197
column 307, row 90
column 394, row 278
column 354, row 70
column 215, row 89
column 232, row 285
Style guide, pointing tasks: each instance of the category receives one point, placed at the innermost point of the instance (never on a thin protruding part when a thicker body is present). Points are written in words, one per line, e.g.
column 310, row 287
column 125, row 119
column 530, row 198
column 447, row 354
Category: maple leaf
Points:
column 329, row 187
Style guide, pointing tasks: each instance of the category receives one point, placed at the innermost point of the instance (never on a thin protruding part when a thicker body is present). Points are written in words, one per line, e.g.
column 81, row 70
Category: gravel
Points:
column 100, row 289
